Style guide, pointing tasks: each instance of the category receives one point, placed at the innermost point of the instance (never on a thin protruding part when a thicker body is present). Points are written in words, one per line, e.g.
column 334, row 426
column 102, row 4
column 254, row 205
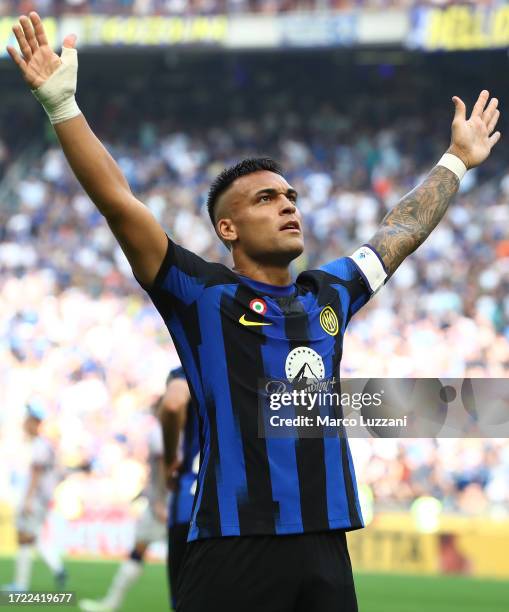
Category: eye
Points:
column 265, row 198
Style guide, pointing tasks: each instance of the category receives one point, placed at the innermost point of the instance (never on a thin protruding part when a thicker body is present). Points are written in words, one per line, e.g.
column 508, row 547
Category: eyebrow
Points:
column 272, row 191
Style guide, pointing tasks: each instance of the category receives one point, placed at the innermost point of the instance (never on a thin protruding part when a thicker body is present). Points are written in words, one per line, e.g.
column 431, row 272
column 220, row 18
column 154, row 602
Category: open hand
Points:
column 473, row 138
column 37, row 61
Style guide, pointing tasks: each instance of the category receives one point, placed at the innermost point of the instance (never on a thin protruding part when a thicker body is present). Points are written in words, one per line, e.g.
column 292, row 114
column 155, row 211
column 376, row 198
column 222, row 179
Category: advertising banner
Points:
column 396, row 543
column 301, row 30
column 103, row 30
column 115, row 31
column 459, row 28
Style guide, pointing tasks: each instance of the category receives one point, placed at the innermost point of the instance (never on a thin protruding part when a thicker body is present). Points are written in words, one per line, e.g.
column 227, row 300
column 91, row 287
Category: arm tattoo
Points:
column 410, row 222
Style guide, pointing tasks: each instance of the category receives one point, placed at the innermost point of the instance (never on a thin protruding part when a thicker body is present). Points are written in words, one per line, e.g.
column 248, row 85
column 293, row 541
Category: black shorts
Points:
column 292, row 573
column 177, row 542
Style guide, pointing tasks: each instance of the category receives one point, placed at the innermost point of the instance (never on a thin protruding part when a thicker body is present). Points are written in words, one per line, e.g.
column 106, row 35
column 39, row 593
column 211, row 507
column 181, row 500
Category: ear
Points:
column 226, row 230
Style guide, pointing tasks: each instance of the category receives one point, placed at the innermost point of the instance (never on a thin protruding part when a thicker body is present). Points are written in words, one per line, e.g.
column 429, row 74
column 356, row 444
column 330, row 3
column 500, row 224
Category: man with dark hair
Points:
column 270, row 513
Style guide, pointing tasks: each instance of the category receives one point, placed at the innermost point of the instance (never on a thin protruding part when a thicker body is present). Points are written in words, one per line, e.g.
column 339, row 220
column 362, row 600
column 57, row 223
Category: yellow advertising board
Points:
column 461, row 28
column 51, row 25
column 7, row 532
column 150, row 31
column 104, row 30
column 459, row 545
column 376, row 550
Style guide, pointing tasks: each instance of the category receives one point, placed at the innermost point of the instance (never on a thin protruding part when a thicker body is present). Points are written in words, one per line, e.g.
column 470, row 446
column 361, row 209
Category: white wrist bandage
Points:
column 370, row 267
column 57, row 93
column 454, row 164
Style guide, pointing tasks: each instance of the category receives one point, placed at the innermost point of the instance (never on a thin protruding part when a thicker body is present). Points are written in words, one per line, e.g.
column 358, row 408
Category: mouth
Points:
column 290, row 226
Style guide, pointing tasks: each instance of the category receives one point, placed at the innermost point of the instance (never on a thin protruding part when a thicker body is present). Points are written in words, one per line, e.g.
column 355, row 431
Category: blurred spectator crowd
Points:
column 469, row 477
column 211, row 7
column 78, row 334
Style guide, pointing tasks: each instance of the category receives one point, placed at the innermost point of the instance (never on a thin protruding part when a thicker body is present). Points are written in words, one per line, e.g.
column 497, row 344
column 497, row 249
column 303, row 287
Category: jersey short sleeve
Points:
column 182, row 276
column 42, row 453
column 360, row 276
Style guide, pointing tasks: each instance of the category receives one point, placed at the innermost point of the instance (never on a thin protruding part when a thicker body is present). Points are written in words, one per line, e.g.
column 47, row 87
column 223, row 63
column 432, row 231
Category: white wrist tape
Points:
column 454, row 164
column 57, row 93
column 370, row 267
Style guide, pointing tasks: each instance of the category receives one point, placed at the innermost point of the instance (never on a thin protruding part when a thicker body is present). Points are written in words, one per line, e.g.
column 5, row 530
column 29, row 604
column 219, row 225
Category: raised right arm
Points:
column 53, row 80
column 139, row 234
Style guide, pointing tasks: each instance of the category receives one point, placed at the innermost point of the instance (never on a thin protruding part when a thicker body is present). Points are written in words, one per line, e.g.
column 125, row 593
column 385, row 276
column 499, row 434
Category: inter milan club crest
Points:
column 258, row 306
column 329, row 321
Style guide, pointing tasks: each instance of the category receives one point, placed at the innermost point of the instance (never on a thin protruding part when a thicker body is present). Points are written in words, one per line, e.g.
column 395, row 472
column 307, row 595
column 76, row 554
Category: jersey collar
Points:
column 266, row 289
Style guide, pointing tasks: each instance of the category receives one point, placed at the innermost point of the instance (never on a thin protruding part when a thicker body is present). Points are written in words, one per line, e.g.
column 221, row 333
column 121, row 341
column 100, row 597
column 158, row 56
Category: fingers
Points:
column 69, row 41
column 17, row 59
column 494, row 138
column 490, row 110
column 22, row 42
column 493, row 121
column 29, row 33
column 461, row 110
column 481, row 103
column 40, row 34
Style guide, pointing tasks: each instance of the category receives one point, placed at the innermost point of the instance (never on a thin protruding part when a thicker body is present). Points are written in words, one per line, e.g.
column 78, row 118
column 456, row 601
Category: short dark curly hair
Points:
column 229, row 175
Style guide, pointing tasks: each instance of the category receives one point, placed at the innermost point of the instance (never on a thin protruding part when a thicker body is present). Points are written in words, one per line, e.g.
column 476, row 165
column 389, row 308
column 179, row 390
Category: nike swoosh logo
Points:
column 244, row 321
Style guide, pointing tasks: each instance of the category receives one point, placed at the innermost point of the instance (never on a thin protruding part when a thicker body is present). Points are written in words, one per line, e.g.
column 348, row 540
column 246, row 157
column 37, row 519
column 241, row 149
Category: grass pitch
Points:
column 376, row 593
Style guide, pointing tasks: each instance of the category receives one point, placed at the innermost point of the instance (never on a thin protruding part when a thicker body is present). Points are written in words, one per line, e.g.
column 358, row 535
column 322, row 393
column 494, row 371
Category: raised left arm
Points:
column 413, row 219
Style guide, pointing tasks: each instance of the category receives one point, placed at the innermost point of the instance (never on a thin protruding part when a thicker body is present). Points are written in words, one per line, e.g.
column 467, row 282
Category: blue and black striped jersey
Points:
column 231, row 332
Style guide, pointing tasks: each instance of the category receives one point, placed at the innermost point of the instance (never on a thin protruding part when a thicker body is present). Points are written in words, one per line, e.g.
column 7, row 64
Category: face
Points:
column 258, row 215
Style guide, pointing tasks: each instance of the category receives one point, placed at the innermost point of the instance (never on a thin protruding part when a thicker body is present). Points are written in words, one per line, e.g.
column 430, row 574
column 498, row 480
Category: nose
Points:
column 288, row 207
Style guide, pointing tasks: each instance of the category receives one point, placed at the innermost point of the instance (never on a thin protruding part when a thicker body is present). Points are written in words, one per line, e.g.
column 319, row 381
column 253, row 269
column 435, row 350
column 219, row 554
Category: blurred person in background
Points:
column 31, row 516
column 182, row 456
column 150, row 528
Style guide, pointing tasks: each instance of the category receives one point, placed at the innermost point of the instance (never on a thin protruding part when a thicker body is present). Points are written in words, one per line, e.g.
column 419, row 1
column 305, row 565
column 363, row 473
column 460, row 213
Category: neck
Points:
column 272, row 275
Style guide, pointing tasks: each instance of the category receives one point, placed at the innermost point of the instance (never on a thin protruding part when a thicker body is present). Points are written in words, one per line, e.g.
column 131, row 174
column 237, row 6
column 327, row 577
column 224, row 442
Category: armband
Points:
column 370, row 266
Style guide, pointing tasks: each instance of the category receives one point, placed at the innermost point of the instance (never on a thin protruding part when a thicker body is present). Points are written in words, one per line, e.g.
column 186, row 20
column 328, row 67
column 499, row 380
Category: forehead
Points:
column 248, row 185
